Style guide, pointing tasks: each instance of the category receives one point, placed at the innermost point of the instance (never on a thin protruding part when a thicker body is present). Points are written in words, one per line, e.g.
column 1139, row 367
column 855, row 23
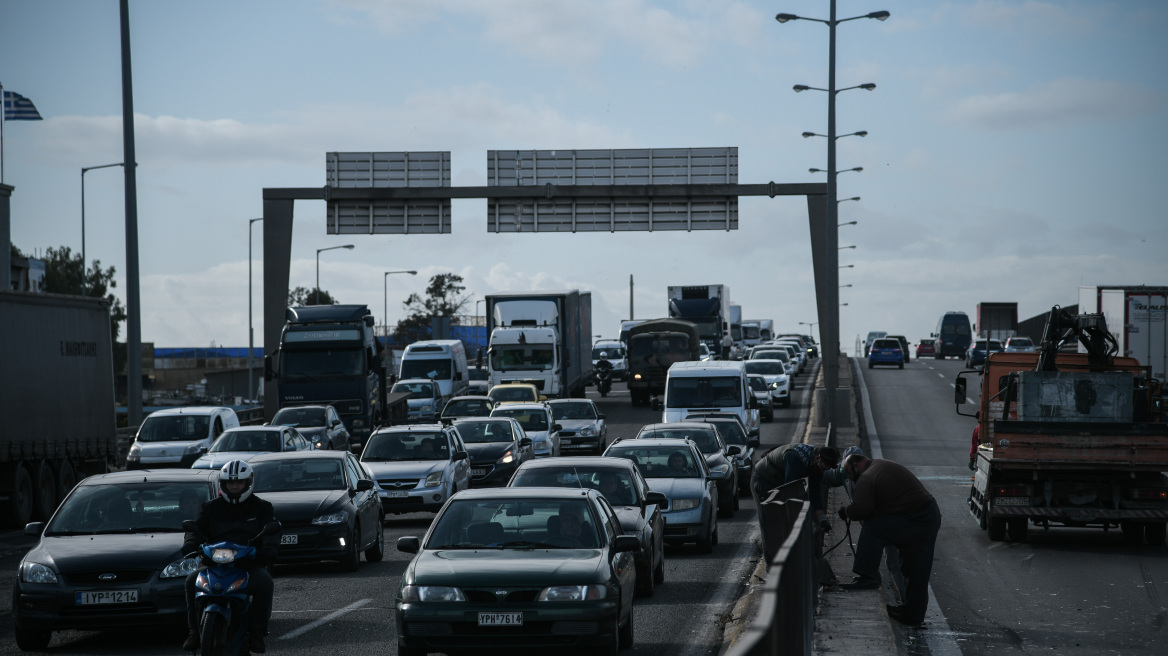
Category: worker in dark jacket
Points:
column 896, row 509
column 785, row 464
column 238, row 516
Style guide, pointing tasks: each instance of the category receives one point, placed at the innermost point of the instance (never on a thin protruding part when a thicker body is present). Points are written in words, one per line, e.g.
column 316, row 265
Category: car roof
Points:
column 414, row 380
column 158, row 475
column 499, row 418
column 565, row 493
column 564, row 401
column 189, row 410
column 522, row 405
column 673, row 424
column 312, row 406
column 275, row 428
column 659, row 441
column 298, row 455
column 578, row 461
column 405, row 428
column 470, row 397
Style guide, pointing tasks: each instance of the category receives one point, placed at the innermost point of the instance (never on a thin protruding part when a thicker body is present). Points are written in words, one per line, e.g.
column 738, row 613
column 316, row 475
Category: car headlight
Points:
column 414, row 593
column 193, row 449
column 135, row 453
column 572, row 593
column 428, row 407
column 589, row 431
column 507, row 458
column 685, row 504
column 180, row 568
column 319, row 443
column 540, row 445
column 36, row 573
column 720, row 470
column 434, row 479
column 337, row 517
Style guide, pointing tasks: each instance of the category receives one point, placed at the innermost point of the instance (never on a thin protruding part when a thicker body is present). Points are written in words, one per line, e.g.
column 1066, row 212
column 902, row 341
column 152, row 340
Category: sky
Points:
column 1014, row 149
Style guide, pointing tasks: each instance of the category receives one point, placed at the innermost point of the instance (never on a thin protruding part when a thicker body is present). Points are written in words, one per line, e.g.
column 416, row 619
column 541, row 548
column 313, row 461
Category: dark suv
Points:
column 903, row 344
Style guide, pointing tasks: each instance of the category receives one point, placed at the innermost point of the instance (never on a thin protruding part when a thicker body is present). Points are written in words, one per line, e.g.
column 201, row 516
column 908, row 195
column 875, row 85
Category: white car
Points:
column 774, row 371
column 538, row 423
column 582, row 426
column 245, row 442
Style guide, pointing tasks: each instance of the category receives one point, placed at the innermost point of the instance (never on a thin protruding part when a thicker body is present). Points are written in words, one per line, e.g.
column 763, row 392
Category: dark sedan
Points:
column 733, row 433
column 638, row 508
column 545, row 569
column 327, row 502
column 467, row 406
column 110, row 556
column 719, row 456
column 495, row 446
column 319, row 424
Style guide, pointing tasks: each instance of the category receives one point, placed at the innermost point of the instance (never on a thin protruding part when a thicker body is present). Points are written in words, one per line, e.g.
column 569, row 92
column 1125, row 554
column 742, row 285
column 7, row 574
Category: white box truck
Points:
column 542, row 338
column 1135, row 316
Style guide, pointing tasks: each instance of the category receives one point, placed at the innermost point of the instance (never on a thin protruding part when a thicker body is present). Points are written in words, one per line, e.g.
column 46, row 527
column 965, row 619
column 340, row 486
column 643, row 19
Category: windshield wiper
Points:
column 109, row 531
column 156, row 529
column 530, row 544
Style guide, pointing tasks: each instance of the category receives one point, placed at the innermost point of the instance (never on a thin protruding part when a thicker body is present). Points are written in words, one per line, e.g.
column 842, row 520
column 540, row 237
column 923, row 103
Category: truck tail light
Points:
column 1149, row 494
column 1011, row 491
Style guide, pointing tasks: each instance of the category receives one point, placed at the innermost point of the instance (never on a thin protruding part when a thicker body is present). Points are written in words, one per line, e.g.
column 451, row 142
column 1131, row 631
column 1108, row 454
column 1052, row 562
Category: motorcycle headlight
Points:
column 413, row 593
column 36, row 573
column 338, row 517
column 180, row 568
column 589, row 431
column 507, row 458
column 685, row 504
column 223, row 556
column 572, row 593
column 434, row 479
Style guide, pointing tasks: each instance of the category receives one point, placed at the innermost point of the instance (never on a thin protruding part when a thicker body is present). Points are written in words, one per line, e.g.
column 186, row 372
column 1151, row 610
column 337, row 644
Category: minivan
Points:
column 176, row 437
column 714, row 386
column 953, row 335
column 440, row 360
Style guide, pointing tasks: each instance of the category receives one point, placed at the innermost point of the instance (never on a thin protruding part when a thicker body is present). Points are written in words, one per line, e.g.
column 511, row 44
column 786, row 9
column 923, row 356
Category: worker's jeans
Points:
column 760, row 487
column 915, row 536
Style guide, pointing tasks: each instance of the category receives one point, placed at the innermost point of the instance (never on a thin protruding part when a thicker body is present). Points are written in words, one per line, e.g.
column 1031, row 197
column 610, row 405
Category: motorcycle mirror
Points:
column 190, row 526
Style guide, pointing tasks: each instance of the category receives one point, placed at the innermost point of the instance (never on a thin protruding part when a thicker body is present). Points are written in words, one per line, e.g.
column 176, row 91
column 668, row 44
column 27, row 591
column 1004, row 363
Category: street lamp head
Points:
column 848, row 266
column 868, row 86
column 878, row 15
column 849, row 222
column 846, row 247
column 800, row 87
column 857, row 169
column 783, row 18
column 412, row 273
column 348, row 247
column 861, row 133
column 810, row 134
column 817, row 171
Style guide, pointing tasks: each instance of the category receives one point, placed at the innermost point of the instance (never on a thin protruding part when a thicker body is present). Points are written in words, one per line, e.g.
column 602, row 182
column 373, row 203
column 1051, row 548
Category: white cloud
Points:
column 1059, row 102
column 1029, row 17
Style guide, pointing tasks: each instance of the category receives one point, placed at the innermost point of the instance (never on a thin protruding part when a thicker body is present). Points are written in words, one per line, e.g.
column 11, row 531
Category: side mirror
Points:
column 557, row 428
column 733, row 450
column 34, row 528
column 272, row 366
column 657, row 498
column 408, row 544
column 959, row 395
column 524, row 442
column 364, row 485
column 624, row 543
column 459, row 455
column 656, row 404
column 599, row 416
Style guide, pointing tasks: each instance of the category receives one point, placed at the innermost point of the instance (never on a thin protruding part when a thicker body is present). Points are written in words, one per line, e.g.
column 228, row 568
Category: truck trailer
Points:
column 56, row 399
column 654, row 346
column 542, row 338
column 1136, row 317
column 708, row 308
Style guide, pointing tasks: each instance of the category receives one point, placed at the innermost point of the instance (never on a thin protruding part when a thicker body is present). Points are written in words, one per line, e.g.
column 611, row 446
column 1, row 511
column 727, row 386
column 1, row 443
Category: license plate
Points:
column 478, row 472
column 396, row 494
column 1012, row 501
column 500, row 619
column 289, row 538
column 107, row 597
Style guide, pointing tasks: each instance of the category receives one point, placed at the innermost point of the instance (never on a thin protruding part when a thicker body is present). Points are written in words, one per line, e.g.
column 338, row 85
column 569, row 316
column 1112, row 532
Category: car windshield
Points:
column 704, row 436
column 615, row 483
column 483, row 432
column 478, row 374
column 300, row 417
column 1020, row 341
column 406, row 445
column 612, row 353
column 247, row 440
column 467, row 408
column 659, row 461
column 574, row 410
column 298, row 475
column 532, row 420
column 433, row 369
column 757, row 383
column 174, row 428
column 415, row 390
column 513, row 357
column 730, row 431
column 771, row 354
column 704, row 392
column 515, row 523
column 765, row 367
column 512, row 394
column 308, row 363
column 139, row 507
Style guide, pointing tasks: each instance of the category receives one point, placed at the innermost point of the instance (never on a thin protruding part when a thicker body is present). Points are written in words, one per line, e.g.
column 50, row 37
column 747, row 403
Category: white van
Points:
column 176, row 437
column 714, row 386
column 440, row 360
column 614, row 351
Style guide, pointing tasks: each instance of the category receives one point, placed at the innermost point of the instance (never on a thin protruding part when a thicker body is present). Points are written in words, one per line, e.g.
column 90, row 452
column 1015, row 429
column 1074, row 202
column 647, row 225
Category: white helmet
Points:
column 236, row 470
column 604, row 355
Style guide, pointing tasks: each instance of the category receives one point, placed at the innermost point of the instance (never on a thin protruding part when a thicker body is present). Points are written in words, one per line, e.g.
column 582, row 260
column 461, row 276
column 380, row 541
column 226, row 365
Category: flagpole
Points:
column 3, row 102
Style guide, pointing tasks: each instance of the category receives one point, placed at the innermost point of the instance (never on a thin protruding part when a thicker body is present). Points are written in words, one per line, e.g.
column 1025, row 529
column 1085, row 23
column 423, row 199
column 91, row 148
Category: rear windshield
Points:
column 481, row 432
column 659, row 462
column 174, row 428
column 704, row 437
column 1021, row 341
column 406, row 445
column 300, row 417
column 247, row 440
column 886, row 343
column 532, row 421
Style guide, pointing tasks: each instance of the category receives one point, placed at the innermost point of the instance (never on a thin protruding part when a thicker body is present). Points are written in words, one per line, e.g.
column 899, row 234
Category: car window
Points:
column 399, row 445
column 173, row 428
column 660, row 461
column 730, row 431
column 574, row 410
column 301, row 417
column 530, row 419
column 515, row 523
column 757, row 383
column 287, row 475
column 481, row 432
column 764, row 367
column 247, row 440
column 611, row 523
column 129, row 507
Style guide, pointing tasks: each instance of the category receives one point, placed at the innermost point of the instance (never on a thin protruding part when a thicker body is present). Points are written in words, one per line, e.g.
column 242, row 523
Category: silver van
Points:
column 176, row 437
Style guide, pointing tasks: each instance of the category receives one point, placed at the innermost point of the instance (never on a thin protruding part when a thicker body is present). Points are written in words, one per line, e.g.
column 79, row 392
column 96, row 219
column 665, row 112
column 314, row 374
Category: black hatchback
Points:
column 111, row 555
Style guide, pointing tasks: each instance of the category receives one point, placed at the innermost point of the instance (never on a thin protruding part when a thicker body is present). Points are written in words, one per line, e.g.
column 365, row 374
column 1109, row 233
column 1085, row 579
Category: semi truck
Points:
column 57, row 413
column 328, row 355
column 736, row 348
column 1136, row 317
column 751, row 333
column 542, row 338
column 653, row 346
column 708, row 308
column 1070, row 439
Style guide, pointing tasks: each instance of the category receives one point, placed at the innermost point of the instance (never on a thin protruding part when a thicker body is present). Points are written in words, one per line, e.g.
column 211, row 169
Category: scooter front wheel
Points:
column 211, row 637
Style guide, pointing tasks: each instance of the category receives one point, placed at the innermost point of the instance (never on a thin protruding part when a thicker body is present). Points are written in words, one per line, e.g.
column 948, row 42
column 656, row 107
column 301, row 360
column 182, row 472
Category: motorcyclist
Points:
column 603, row 364
column 238, row 516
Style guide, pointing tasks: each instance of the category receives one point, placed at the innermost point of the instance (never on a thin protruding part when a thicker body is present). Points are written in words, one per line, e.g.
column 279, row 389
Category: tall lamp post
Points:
column 385, row 292
column 250, row 333
column 831, row 322
column 84, row 170
column 316, row 292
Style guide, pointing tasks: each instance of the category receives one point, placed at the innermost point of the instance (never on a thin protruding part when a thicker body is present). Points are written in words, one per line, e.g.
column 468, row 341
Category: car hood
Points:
column 157, row 449
column 217, row 460
column 79, row 553
column 418, row 403
column 487, row 451
column 676, row 488
column 405, row 468
column 630, row 518
column 304, row 504
column 311, row 434
column 507, row 567
column 577, row 424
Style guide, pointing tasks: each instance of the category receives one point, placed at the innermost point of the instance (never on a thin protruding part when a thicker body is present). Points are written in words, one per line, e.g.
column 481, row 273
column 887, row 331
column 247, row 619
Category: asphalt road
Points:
column 319, row 609
column 1066, row 591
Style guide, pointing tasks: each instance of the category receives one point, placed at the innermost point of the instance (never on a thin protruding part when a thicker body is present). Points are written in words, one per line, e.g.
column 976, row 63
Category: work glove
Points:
column 972, row 465
column 825, row 523
column 843, row 513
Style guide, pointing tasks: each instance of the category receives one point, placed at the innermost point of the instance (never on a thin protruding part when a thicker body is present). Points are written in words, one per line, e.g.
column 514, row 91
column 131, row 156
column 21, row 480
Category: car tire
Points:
column 46, row 491
column 645, row 583
column 33, row 640
column 869, row 364
column 625, row 633
column 1017, row 529
column 659, row 570
column 66, row 479
column 736, row 505
column 900, row 365
column 352, row 559
column 376, row 553
column 706, row 544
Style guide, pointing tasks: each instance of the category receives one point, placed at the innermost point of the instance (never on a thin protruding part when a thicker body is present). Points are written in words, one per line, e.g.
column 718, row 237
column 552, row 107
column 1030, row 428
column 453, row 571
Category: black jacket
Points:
column 240, row 523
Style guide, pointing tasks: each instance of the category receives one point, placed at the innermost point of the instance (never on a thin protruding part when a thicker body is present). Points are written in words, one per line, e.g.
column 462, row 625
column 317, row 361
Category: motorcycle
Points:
column 221, row 591
column 603, row 381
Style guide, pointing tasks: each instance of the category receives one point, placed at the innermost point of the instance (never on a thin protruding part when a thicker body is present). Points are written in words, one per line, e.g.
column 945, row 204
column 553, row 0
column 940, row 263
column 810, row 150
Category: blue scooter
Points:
column 221, row 590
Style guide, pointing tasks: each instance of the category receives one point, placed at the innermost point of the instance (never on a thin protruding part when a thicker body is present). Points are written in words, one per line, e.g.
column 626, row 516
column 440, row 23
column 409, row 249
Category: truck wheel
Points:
column 1133, row 532
column 46, row 490
column 1155, row 534
column 20, row 495
column 997, row 529
column 66, row 479
column 1017, row 529
column 33, row 640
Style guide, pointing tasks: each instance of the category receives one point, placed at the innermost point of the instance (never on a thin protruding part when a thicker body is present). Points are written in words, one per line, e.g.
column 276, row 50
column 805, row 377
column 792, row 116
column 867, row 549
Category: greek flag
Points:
column 19, row 108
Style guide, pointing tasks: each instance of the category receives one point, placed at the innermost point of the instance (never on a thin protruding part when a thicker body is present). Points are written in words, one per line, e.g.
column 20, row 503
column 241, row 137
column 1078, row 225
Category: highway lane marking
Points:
column 325, row 620
column 940, row 374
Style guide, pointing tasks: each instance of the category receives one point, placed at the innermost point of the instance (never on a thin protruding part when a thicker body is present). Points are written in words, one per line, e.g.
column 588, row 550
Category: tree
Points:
column 443, row 299
column 306, row 296
column 63, row 271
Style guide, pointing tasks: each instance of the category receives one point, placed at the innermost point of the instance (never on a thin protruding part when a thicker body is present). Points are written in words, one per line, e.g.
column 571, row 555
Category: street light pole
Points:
column 250, row 332
column 316, row 292
column 385, row 300
column 84, row 170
